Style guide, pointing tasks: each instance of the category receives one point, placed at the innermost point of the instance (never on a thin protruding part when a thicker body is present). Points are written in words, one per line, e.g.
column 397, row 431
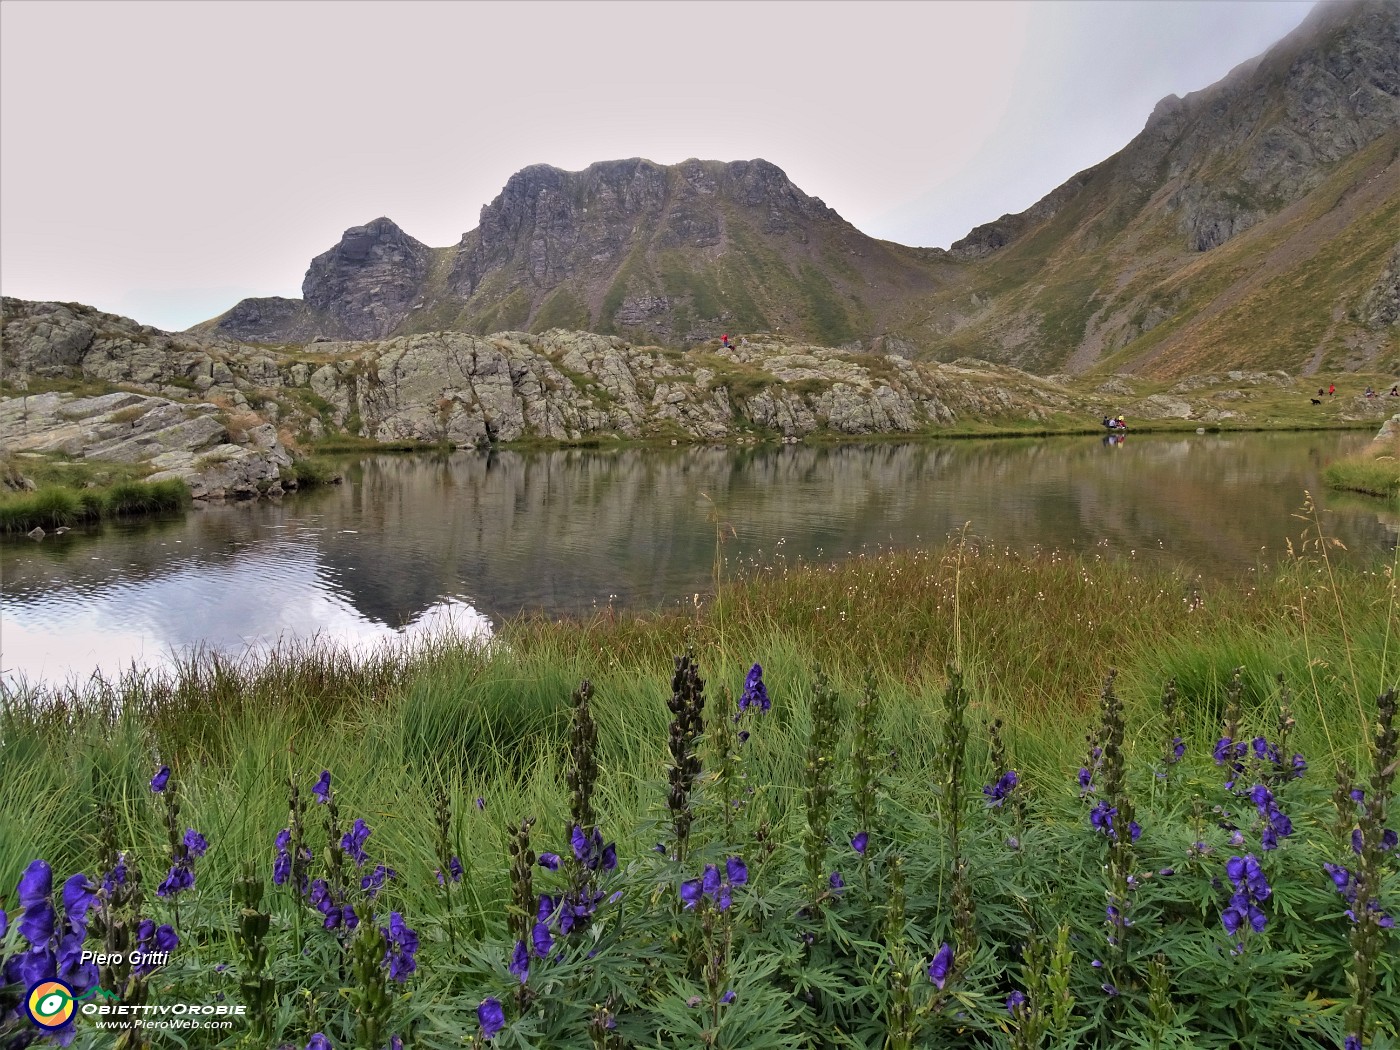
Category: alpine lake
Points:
column 413, row 544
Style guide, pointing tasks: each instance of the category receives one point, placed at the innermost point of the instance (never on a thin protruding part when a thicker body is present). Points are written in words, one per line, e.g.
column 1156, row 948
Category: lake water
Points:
column 461, row 541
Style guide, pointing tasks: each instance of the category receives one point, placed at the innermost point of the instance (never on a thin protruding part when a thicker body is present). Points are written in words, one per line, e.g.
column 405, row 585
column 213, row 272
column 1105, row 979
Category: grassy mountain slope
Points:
column 1239, row 230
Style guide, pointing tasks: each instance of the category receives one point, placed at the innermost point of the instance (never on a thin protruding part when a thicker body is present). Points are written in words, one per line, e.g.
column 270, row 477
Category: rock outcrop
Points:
column 190, row 442
column 460, row 389
column 363, row 288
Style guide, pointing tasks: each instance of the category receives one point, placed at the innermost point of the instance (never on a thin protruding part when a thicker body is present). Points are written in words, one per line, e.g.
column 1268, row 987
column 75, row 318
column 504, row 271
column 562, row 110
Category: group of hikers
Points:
column 1115, row 423
column 1331, row 391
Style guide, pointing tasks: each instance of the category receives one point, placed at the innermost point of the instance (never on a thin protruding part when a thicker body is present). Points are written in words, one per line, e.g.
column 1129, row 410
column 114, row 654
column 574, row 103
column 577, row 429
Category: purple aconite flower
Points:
column 729, row 996
column 737, row 870
column 860, row 842
column 755, row 693
column 709, row 881
column 454, row 871
column 942, row 963
column 78, row 895
column 1352, row 1042
column 996, row 793
column 282, row 866
column 1340, row 876
column 322, row 788
column 480, row 803
column 116, row 877
column 353, row 842
column 4, row 923
column 337, row 915
column 161, row 778
column 590, row 851
column 519, row 965
column 837, row 882
column 319, row 1042
column 153, row 938
column 195, row 843
column 1014, row 1001
column 542, row 938
column 401, row 948
column 179, row 879
column 491, row 1017
column 1251, row 889
column 36, row 922
column 550, row 861
column 1101, row 817
column 691, row 893
column 374, row 881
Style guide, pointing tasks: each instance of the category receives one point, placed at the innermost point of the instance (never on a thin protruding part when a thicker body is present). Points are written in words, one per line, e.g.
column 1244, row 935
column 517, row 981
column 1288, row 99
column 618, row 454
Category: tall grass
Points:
column 1374, row 471
column 403, row 728
column 56, row 506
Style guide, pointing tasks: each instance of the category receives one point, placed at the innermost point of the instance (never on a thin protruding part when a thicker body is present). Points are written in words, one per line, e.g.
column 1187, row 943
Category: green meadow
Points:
column 849, row 863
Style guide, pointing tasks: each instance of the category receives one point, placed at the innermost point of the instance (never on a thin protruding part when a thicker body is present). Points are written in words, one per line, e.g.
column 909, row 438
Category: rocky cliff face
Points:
column 363, row 288
column 672, row 254
column 367, row 283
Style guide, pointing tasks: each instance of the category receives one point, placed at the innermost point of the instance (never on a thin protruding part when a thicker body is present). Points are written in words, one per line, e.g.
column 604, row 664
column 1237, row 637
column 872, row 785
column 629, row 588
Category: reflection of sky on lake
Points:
column 412, row 541
column 239, row 605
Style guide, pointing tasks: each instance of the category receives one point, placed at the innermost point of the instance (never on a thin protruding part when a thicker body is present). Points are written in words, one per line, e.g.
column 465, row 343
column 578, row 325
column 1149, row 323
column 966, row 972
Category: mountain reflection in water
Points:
column 415, row 544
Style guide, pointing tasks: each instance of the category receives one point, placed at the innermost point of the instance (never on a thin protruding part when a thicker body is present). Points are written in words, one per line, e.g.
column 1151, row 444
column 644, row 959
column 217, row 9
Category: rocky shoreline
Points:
column 227, row 417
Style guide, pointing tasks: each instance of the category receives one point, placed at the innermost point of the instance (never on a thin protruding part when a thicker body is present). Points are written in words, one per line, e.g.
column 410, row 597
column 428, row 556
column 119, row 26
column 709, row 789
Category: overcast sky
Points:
column 163, row 160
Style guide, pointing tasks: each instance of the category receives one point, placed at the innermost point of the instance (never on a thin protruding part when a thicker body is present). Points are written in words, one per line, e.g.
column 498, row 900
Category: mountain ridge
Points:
column 1261, row 203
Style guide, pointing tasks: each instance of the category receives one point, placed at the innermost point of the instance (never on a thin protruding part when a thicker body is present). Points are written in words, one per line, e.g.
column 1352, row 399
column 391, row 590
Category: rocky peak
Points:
column 561, row 221
column 369, row 280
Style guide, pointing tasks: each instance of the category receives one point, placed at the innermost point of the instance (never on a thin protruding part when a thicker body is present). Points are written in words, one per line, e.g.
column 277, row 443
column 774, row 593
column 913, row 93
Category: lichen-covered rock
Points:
column 179, row 440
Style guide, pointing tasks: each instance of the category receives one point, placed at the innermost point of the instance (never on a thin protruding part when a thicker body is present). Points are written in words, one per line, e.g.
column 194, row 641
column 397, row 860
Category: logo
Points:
column 50, row 1004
